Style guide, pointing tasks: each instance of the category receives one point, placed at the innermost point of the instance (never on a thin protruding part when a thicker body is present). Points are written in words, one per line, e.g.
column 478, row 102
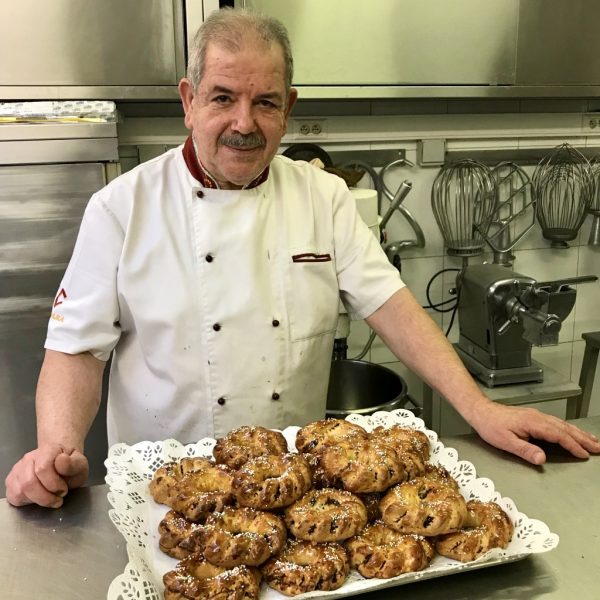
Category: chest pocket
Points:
column 312, row 293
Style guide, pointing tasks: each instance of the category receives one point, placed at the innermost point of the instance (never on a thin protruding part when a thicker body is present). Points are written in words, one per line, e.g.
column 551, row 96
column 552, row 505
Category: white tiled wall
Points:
column 392, row 128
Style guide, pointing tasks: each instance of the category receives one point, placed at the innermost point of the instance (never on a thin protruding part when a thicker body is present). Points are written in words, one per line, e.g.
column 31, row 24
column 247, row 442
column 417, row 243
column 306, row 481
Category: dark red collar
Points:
column 200, row 174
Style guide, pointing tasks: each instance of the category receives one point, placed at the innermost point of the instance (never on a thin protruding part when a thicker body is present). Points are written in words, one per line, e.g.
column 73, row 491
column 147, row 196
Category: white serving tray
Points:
column 136, row 515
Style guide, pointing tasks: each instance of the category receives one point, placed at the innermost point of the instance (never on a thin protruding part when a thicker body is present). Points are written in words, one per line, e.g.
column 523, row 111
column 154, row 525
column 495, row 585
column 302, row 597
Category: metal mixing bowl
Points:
column 357, row 386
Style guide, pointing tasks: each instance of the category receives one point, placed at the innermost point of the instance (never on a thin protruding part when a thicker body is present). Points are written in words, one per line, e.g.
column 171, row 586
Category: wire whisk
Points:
column 594, row 207
column 564, row 189
column 463, row 198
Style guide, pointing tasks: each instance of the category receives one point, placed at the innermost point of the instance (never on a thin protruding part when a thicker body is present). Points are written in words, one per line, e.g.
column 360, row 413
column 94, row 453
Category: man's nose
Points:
column 243, row 121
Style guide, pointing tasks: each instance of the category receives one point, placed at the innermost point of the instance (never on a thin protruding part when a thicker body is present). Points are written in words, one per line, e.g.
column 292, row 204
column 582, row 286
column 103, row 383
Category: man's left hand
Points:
column 511, row 427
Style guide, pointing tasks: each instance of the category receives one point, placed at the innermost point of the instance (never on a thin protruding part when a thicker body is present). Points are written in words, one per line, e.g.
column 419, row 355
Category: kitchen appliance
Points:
column 463, row 200
column 394, row 249
column 514, row 215
column 594, row 207
column 48, row 171
column 357, row 386
column 502, row 314
column 564, row 189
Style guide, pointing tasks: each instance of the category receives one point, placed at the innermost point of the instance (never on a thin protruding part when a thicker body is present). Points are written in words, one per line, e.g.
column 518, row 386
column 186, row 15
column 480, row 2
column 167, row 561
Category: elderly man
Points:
column 213, row 274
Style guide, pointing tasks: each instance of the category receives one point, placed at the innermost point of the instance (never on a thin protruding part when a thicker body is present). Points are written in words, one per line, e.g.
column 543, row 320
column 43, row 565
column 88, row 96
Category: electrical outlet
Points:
column 591, row 122
column 311, row 128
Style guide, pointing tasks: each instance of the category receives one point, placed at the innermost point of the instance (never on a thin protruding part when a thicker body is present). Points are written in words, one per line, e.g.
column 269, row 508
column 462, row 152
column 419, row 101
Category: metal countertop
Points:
column 75, row 552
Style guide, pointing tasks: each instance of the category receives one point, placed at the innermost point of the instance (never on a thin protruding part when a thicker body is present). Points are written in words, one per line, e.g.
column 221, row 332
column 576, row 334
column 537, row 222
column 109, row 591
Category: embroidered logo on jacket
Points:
column 62, row 295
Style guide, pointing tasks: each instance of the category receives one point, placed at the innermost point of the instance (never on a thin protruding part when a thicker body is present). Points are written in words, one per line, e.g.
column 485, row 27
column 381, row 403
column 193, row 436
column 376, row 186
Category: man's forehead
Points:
column 225, row 68
column 248, row 43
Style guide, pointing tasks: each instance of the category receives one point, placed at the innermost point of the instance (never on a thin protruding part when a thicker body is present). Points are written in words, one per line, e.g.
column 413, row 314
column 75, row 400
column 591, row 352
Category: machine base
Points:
column 494, row 377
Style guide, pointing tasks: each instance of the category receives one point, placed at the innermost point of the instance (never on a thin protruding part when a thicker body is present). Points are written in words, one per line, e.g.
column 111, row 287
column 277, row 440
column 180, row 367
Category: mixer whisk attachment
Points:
column 594, row 207
column 514, row 214
column 564, row 188
column 463, row 198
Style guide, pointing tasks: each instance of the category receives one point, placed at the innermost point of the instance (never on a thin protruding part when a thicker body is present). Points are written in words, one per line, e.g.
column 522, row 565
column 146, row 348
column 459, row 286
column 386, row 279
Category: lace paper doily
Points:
column 136, row 515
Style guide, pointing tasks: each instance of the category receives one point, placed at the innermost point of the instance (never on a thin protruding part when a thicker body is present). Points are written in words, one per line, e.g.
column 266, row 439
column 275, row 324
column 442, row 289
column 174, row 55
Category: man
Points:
column 214, row 272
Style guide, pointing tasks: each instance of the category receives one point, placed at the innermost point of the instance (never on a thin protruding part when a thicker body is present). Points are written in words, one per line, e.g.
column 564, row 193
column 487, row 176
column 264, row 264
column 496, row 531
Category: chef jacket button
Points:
column 275, row 396
column 275, row 323
column 209, row 258
column 221, row 401
column 216, row 327
column 200, row 194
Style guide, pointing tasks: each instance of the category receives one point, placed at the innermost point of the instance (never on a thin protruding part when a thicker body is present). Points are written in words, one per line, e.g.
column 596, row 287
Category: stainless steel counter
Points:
column 75, row 552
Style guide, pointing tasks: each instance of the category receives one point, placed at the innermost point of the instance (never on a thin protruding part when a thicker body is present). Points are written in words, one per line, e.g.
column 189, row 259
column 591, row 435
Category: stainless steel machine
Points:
column 502, row 314
column 48, row 171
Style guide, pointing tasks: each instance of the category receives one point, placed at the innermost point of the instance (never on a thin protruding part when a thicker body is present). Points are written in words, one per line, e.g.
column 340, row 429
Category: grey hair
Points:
column 227, row 27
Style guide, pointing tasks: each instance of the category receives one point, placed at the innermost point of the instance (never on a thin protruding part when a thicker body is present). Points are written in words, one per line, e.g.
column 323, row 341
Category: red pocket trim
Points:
column 311, row 257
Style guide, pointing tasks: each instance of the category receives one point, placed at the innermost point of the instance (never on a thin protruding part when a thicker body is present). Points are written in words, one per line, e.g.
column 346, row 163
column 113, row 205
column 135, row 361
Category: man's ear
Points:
column 186, row 93
column 291, row 100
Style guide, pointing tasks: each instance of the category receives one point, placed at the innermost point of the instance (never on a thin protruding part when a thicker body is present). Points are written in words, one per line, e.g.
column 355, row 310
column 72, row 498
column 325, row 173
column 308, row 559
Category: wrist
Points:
column 477, row 409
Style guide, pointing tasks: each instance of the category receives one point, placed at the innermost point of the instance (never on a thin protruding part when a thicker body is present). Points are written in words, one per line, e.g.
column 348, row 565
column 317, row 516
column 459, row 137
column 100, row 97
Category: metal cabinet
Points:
column 558, row 43
column 459, row 48
column 46, row 48
column 41, row 206
column 399, row 42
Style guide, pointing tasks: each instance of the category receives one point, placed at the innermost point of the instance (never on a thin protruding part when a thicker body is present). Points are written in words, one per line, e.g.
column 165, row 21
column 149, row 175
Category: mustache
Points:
column 238, row 140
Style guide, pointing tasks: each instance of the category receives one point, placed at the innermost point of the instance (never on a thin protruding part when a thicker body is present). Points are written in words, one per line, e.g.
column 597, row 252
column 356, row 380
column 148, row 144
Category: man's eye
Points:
column 221, row 99
column 267, row 104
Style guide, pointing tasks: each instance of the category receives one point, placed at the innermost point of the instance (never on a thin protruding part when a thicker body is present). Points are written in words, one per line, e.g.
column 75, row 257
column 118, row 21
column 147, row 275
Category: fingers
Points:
column 571, row 438
column 35, row 480
column 74, row 468
column 585, row 439
column 512, row 427
column 32, row 483
column 529, row 452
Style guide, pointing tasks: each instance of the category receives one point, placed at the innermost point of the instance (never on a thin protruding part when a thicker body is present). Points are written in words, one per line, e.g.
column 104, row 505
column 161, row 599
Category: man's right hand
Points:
column 45, row 475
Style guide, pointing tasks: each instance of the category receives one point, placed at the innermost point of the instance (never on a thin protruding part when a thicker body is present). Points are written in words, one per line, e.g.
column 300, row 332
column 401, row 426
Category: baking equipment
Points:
column 392, row 249
column 396, row 199
column 594, row 206
column 502, row 314
column 361, row 387
column 308, row 152
column 463, row 200
column 564, row 189
column 514, row 214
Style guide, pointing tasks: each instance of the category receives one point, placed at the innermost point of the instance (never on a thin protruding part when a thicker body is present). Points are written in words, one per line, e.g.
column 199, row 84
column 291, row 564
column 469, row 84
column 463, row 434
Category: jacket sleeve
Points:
column 85, row 312
column 365, row 276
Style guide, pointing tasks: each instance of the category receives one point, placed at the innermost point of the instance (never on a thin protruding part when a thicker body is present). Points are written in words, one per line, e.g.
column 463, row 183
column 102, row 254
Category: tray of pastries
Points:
column 334, row 508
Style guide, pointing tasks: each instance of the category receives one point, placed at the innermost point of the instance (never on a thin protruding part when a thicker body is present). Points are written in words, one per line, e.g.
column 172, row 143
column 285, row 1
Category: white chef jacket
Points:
column 220, row 310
